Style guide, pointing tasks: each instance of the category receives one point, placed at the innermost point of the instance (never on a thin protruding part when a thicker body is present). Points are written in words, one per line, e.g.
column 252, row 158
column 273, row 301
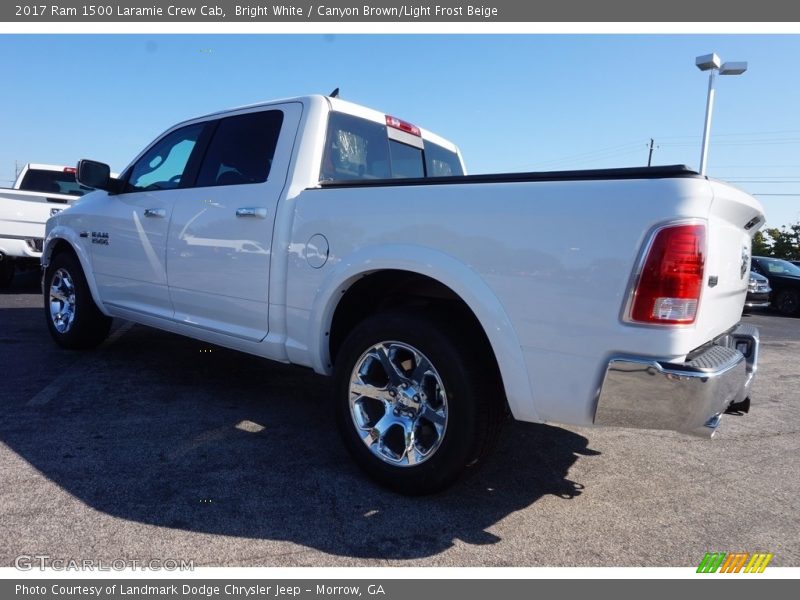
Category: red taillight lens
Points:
column 669, row 286
column 70, row 170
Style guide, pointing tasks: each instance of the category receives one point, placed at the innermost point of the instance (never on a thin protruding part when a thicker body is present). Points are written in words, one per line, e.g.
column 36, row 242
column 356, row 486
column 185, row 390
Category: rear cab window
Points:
column 50, row 181
column 358, row 149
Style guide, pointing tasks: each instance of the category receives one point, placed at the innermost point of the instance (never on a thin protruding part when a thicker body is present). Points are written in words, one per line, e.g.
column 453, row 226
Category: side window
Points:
column 355, row 148
column 163, row 165
column 241, row 150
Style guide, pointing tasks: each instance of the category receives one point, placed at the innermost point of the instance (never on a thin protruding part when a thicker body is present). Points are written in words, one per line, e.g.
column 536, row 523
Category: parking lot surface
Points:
column 157, row 446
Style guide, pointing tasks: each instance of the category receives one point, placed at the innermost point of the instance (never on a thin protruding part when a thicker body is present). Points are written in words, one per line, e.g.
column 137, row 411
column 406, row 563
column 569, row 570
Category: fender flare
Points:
column 65, row 234
column 447, row 270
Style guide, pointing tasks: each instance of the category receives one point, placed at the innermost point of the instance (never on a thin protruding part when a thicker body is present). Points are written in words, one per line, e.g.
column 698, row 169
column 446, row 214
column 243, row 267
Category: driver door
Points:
column 129, row 240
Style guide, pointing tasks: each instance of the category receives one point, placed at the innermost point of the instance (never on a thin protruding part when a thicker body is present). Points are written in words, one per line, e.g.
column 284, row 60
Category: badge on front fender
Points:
column 100, row 237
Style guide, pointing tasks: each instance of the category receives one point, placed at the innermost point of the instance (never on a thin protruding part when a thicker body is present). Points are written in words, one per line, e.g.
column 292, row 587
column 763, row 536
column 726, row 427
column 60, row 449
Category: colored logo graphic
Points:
column 734, row 562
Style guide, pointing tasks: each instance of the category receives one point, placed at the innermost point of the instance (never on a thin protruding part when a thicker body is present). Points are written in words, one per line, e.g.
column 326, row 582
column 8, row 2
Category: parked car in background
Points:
column 39, row 192
column 758, row 291
column 784, row 279
column 49, row 179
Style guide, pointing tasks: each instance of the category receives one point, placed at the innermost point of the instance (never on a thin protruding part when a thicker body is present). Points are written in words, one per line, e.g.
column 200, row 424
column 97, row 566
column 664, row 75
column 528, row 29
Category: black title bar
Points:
column 343, row 11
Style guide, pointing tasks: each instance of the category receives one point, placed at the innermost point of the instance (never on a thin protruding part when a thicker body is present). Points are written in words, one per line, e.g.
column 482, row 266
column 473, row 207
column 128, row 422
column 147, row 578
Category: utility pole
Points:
column 650, row 156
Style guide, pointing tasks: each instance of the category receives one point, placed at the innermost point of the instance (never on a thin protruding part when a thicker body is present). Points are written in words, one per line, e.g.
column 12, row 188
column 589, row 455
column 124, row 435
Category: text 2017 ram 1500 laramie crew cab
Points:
column 318, row 232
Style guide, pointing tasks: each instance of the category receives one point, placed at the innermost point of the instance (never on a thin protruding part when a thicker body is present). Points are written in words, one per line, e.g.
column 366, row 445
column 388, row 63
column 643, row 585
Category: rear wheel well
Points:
column 394, row 290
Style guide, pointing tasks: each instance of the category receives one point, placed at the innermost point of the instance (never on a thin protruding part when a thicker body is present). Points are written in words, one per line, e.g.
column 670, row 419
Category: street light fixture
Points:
column 713, row 64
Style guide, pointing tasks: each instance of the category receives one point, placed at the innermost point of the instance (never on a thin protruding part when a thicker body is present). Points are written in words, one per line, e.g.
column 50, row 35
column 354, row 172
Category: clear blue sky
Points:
column 511, row 102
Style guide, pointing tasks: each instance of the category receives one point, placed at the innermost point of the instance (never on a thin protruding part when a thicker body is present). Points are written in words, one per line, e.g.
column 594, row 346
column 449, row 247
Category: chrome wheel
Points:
column 62, row 300
column 398, row 404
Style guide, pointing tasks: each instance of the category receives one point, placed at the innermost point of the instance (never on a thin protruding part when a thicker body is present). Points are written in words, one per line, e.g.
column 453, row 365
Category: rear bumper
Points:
column 21, row 248
column 689, row 397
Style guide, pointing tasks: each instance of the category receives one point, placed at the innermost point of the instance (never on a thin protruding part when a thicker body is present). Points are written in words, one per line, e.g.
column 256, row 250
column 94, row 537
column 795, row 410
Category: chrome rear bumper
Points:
column 689, row 397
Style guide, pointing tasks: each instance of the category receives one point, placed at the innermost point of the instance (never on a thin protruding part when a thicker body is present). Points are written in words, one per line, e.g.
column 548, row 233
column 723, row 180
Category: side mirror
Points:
column 96, row 175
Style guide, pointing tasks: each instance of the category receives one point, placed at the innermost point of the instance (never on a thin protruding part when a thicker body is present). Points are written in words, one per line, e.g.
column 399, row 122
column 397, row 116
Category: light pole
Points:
column 712, row 63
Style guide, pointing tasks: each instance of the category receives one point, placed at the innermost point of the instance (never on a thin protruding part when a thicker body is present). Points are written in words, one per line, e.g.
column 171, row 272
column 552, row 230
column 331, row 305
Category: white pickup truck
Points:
column 39, row 192
column 317, row 232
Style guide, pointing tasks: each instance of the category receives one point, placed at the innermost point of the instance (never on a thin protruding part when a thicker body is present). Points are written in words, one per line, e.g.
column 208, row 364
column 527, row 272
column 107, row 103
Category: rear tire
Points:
column 73, row 319
column 6, row 272
column 418, row 404
column 788, row 302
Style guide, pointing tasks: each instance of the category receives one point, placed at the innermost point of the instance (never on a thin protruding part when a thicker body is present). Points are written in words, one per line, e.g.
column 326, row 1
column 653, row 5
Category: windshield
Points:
column 777, row 266
column 52, row 182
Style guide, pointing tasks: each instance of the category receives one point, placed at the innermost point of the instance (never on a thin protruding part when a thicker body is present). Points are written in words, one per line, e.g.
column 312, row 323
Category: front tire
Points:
column 418, row 400
column 73, row 319
column 6, row 272
column 788, row 302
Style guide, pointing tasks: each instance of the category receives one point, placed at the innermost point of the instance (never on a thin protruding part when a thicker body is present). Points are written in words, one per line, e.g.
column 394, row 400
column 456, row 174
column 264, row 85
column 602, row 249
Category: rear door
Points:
column 220, row 237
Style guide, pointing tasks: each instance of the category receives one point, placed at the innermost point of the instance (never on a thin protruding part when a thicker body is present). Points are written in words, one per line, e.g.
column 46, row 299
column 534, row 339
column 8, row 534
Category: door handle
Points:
column 260, row 213
column 155, row 212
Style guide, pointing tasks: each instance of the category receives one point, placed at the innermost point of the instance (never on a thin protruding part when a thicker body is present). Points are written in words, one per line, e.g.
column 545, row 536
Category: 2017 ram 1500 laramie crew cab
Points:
column 322, row 233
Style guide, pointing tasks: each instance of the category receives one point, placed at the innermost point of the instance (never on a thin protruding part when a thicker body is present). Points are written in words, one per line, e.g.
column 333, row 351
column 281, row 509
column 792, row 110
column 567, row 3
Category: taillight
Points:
column 669, row 286
column 396, row 123
column 70, row 170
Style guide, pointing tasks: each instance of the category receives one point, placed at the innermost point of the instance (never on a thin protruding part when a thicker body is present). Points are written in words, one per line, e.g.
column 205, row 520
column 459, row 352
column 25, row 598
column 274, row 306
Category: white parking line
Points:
column 53, row 389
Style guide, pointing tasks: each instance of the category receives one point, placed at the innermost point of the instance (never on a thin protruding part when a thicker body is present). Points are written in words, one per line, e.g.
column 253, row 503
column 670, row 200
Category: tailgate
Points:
column 733, row 220
column 23, row 214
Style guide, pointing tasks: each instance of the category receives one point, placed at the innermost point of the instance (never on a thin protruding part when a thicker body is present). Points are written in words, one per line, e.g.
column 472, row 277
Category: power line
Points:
column 601, row 151
column 630, row 148
column 697, row 137
column 757, row 166
column 762, row 180
column 743, row 143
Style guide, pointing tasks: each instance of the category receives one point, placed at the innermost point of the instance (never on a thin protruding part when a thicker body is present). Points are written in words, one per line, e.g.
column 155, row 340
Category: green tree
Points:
column 761, row 245
column 785, row 241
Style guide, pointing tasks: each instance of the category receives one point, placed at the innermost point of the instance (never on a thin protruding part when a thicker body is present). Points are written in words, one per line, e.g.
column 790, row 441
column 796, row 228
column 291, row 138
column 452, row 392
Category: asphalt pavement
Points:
column 157, row 446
